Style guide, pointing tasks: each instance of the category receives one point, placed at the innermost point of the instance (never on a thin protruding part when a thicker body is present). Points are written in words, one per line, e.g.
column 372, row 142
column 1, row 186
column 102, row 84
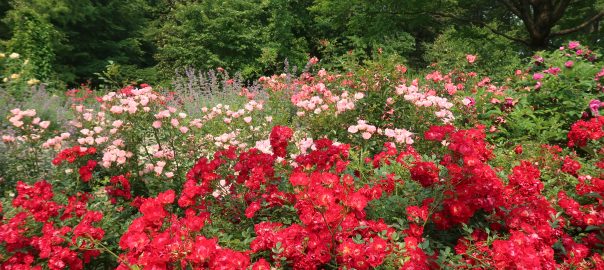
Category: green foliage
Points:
column 496, row 56
column 4, row 29
column 28, row 160
column 255, row 36
column 289, row 34
column 576, row 14
column 16, row 77
column 69, row 41
column 102, row 31
column 74, row 39
column 547, row 107
column 363, row 27
column 117, row 76
column 34, row 38
column 189, row 37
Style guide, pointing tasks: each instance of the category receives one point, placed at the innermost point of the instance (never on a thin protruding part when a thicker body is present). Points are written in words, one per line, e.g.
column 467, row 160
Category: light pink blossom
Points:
column 44, row 124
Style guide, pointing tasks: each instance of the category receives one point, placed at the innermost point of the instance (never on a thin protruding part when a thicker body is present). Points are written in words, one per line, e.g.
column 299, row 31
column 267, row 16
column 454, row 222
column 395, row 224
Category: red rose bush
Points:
column 370, row 169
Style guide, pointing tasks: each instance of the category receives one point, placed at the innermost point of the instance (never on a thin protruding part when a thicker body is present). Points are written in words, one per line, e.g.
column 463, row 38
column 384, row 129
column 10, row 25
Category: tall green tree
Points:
column 87, row 34
column 99, row 31
column 33, row 37
column 289, row 34
column 363, row 26
column 210, row 34
column 4, row 29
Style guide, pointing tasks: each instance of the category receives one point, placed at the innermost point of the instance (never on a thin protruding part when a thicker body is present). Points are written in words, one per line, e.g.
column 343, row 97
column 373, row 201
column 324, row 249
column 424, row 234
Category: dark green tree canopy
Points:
column 72, row 40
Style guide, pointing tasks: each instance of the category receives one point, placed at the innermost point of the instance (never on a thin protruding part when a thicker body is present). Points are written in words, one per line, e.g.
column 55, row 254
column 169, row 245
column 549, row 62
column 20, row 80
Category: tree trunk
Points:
column 539, row 17
column 541, row 23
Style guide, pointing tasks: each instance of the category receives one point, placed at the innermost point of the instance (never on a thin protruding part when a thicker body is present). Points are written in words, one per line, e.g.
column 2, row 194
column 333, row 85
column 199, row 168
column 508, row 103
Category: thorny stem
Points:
column 157, row 138
column 333, row 234
column 483, row 264
column 146, row 150
column 105, row 248
column 431, row 211
column 175, row 154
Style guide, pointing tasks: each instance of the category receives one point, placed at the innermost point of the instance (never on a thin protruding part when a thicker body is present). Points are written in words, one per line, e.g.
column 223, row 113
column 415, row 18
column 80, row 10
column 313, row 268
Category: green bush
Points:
column 553, row 92
column 496, row 56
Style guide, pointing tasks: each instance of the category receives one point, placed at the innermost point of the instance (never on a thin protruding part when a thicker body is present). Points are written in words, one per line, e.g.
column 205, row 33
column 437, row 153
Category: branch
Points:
column 559, row 9
column 511, row 7
column 522, row 9
column 446, row 15
column 527, row 16
column 580, row 26
column 495, row 31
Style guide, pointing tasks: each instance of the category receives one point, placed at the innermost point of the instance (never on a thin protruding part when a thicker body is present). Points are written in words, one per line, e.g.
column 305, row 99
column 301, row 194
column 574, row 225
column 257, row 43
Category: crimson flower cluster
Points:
column 200, row 179
column 426, row 173
column 71, row 154
column 331, row 211
column 523, row 219
column 159, row 239
column 119, row 188
column 570, row 166
column 86, row 170
column 583, row 131
column 327, row 156
column 279, row 138
column 329, row 225
column 35, row 239
column 474, row 184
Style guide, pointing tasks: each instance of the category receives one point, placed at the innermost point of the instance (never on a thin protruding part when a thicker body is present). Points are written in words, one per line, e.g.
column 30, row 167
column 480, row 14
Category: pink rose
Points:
column 353, row 129
column 573, row 45
column 468, row 101
column 594, row 106
column 44, row 124
column 116, row 109
column 537, row 76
